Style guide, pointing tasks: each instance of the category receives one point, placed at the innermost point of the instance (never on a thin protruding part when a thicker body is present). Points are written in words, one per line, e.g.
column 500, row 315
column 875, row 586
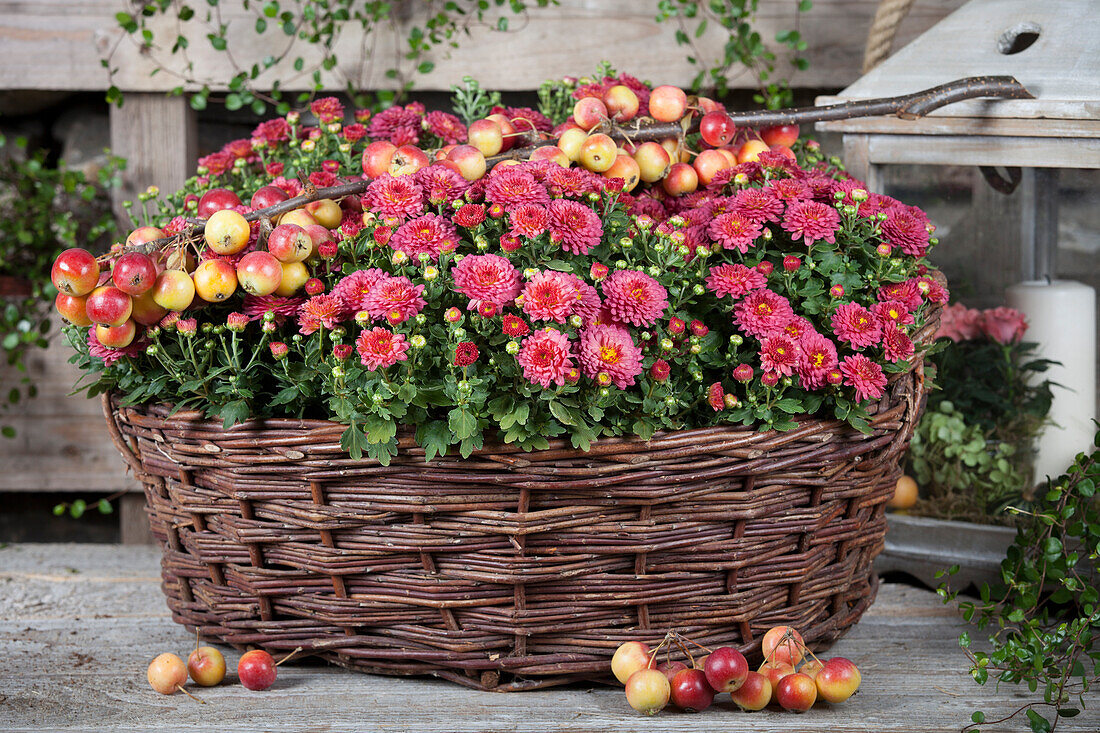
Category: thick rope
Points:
column 888, row 17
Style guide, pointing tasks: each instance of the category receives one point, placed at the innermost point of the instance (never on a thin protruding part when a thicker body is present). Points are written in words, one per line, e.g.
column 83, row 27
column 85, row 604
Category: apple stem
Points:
column 706, row 649
column 185, row 692
column 288, row 656
column 684, row 649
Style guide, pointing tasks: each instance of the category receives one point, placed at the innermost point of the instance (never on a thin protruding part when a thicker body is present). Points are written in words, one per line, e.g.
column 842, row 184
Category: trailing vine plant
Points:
column 1043, row 617
column 744, row 46
column 305, row 35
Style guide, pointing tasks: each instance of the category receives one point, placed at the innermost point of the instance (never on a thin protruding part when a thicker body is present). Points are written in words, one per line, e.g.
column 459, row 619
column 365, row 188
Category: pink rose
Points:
column 959, row 323
column 1004, row 325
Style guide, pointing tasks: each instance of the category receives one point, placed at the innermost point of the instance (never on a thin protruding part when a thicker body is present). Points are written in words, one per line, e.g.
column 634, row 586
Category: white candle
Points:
column 1061, row 317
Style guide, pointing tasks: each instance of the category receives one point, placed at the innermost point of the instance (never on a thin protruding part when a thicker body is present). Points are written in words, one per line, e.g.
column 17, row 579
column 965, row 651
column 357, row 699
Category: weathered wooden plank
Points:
column 58, row 45
column 992, row 150
column 158, row 137
column 1058, row 67
column 61, row 441
column 933, row 125
column 81, row 622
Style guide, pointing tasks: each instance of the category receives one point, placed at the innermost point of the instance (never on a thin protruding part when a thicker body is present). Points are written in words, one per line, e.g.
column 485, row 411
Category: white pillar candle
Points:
column 1061, row 316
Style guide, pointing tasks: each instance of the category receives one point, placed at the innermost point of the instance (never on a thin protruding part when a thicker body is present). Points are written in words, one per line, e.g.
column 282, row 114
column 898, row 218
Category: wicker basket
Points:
column 513, row 570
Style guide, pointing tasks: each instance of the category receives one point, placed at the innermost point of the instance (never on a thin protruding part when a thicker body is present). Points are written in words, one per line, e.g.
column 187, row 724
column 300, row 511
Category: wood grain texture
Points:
column 61, row 442
column 1059, row 67
column 58, row 45
column 157, row 135
column 1039, row 152
column 80, row 624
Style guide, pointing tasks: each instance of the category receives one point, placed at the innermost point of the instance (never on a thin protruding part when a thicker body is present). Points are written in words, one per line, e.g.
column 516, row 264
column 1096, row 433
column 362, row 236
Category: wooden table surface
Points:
column 80, row 623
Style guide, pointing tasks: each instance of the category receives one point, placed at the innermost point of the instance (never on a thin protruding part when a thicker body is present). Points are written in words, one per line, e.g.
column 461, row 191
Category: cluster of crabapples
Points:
column 167, row 673
column 583, row 140
column 119, row 292
column 691, row 687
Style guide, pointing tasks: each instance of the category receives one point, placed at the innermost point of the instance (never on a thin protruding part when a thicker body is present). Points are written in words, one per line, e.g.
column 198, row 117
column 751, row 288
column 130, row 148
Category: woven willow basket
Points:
column 513, row 570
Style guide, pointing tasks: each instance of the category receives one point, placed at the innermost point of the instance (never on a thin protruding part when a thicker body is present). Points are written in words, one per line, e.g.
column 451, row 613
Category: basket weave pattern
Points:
column 513, row 570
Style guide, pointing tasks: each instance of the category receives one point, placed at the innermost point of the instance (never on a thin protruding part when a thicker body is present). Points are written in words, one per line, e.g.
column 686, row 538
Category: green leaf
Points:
column 462, row 423
column 379, row 429
column 561, row 412
column 104, row 507
column 1039, row 724
column 76, row 509
column 434, row 437
column 233, row 413
column 353, row 440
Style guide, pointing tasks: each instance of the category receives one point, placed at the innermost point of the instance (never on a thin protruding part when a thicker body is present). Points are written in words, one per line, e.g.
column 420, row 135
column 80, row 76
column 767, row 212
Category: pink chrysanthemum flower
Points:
column 856, row 325
column 864, row 375
column 327, row 109
column 320, row 310
column 255, row 306
column 757, row 204
column 892, row 311
column 634, row 297
column 514, row 326
column 762, row 313
column 588, row 304
column 906, row 293
column 932, row 291
column 716, row 397
column 798, row 327
column 821, row 187
column 441, row 184
column 812, row 221
column 545, row 357
column 380, row 348
column 572, row 182
column 735, row 231
column 906, row 227
column 779, row 353
column 445, row 126
column 396, row 196
column 538, row 120
column 395, row 123
column 818, row 358
column 895, row 344
column 354, row 132
column 791, row 190
column 470, row 215
column 240, row 150
column 395, row 299
column 177, row 225
column 577, row 226
column 875, row 203
column 734, row 280
column 466, row 353
column 272, row 131
column 514, row 186
column 322, row 179
column 610, row 350
column 216, row 163
column 529, row 220
column 490, row 278
column 110, row 355
column 660, row 371
column 429, row 234
column 549, row 296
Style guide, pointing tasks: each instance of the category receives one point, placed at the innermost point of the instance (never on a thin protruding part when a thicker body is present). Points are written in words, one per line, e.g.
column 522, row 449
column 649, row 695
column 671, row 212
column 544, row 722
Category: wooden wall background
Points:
column 50, row 45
